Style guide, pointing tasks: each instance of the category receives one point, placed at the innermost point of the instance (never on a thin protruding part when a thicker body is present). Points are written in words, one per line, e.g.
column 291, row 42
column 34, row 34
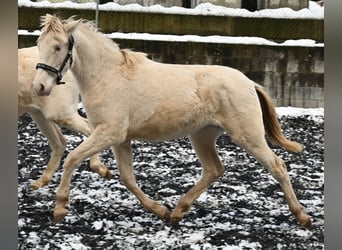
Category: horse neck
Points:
column 94, row 55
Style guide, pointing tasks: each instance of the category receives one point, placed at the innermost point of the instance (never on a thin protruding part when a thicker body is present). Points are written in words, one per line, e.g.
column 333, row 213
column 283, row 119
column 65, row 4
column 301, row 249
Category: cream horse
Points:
column 50, row 113
column 127, row 97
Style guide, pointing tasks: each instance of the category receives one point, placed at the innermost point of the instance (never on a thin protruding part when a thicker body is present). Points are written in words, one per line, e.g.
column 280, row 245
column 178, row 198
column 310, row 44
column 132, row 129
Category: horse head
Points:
column 55, row 46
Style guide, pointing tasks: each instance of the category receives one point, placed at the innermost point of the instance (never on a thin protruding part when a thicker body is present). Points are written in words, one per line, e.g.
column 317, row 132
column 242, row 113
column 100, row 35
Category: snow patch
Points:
column 200, row 39
column 313, row 12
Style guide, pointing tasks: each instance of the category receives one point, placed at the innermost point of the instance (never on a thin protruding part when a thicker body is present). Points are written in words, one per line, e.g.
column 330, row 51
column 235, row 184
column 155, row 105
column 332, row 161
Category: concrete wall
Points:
column 226, row 3
column 275, row 29
column 273, row 4
column 294, row 76
column 262, row 4
column 165, row 3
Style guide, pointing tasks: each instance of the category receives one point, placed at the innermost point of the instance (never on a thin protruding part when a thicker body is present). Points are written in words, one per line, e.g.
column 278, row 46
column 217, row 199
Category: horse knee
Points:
column 71, row 161
column 59, row 146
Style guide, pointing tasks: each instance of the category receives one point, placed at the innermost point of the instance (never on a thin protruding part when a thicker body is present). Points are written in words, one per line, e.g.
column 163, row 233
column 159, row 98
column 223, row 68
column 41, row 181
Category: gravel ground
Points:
column 244, row 209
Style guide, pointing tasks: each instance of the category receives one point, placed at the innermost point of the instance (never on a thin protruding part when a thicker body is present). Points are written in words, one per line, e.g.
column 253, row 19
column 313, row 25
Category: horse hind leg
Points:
column 123, row 156
column 203, row 142
column 80, row 125
column 250, row 136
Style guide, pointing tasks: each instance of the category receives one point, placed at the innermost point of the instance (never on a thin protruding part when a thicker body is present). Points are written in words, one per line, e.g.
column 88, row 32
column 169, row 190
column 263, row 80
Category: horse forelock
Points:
column 51, row 24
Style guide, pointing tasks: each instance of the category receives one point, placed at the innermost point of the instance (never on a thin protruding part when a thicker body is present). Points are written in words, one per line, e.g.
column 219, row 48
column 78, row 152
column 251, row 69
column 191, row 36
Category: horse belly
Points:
column 170, row 125
column 162, row 133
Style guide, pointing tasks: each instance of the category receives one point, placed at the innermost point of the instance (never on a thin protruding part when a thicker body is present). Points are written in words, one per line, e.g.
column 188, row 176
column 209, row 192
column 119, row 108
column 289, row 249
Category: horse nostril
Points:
column 41, row 89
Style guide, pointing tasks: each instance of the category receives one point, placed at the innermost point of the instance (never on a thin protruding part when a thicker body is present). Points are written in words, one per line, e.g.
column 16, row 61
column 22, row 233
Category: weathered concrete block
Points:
column 274, row 4
column 268, row 80
column 165, row 3
column 318, row 66
column 311, row 80
column 271, row 65
column 124, row 2
column 257, row 64
column 310, row 104
column 226, row 3
column 292, row 66
column 316, row 93
column 286, row 86
column 297, row 103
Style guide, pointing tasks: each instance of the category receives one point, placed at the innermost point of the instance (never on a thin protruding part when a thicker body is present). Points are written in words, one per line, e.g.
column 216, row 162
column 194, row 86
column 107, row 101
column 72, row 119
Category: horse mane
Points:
column 131, row 58
column 51, row 23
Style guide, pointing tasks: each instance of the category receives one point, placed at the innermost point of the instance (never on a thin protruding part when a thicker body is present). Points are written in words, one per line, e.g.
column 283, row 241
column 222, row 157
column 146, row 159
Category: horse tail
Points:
column 271, row 123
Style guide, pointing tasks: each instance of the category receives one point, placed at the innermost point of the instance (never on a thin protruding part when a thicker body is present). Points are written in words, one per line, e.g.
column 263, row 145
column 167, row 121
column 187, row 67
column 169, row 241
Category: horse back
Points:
column 170, row 101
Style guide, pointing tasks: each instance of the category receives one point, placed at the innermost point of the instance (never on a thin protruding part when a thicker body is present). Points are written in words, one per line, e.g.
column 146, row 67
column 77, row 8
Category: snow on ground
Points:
column 214, row 39
column 203, row 39
column 243, row 209
column 314, row 11
column 311, row 113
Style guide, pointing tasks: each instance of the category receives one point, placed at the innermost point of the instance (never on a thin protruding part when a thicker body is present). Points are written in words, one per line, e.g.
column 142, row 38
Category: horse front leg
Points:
column 80, row 125
column 123, row 155
column 203, row 142
column 95, row 143
column 57, row 144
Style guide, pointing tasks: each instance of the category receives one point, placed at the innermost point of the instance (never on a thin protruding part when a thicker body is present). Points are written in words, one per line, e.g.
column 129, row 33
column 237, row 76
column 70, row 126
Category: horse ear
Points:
column 69, row 27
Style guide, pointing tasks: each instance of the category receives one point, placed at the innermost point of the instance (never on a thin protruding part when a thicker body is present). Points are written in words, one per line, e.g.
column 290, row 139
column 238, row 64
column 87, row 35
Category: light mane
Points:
column 51, row 23
column 89, row 26
column 131, row 58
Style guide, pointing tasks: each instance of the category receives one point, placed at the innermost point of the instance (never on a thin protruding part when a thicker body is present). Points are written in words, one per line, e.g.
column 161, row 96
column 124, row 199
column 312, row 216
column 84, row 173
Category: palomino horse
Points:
column 127, row 97
column 50, row 113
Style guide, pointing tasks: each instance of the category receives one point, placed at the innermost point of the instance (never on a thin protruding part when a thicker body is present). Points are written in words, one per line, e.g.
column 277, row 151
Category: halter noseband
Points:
column 58, row 72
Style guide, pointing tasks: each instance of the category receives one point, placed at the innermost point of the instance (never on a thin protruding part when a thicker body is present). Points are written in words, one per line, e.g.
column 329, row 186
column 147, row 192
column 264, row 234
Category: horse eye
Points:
column 57, row 48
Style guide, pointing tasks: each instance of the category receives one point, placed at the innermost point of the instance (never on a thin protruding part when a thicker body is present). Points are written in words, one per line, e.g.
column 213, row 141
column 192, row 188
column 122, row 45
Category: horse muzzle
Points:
column 41, row 89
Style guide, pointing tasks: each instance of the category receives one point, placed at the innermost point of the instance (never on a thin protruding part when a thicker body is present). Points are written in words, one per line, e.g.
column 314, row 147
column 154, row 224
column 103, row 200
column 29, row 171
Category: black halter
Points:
column 58, row 72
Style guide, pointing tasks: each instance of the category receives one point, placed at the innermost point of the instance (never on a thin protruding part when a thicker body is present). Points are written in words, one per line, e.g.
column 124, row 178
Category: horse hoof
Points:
column 307, row 223
column 166, row 216
column 108, row 175
column 162, row 212
column 36, row 185
column 175, row 219
column 59, row 216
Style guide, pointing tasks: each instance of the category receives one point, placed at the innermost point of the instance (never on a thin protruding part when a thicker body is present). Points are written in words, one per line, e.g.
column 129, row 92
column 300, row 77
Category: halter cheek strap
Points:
column 58, row 72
